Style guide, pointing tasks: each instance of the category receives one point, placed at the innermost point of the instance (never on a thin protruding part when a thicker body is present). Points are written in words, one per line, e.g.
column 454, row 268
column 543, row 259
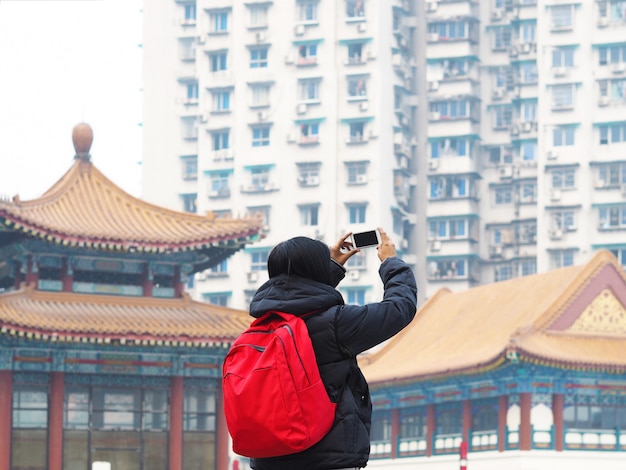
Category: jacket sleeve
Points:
column 359, row 328
column 337, row 273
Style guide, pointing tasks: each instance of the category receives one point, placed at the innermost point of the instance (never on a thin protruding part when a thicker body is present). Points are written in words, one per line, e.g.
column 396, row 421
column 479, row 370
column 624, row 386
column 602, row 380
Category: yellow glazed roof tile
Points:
column 468, row 331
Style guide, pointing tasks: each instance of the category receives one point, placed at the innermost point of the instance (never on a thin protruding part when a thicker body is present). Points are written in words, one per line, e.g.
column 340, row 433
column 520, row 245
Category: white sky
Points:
column 63, row 62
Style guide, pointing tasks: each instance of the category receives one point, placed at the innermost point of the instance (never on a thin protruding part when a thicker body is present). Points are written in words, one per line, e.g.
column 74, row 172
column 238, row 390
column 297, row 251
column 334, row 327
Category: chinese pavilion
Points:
column 105, row 362
column 527, row 373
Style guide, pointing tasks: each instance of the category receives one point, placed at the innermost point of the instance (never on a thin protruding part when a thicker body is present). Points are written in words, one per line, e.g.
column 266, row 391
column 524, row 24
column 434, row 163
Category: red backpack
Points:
column 274, row 398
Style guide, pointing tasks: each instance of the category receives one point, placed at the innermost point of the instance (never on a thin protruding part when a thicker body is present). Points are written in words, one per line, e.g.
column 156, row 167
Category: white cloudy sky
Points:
column 63, row 62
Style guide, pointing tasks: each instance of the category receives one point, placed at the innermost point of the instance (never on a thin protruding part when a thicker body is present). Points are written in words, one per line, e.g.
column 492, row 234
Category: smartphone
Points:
column 366, row 239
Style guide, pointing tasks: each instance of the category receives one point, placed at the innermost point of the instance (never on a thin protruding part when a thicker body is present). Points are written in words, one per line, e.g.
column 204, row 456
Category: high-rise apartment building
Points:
column 486, row 137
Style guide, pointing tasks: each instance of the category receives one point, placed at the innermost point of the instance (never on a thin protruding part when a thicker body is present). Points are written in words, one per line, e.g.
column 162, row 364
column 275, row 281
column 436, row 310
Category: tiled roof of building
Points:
column 55, row 316
column 572, row 317
column 85, row 208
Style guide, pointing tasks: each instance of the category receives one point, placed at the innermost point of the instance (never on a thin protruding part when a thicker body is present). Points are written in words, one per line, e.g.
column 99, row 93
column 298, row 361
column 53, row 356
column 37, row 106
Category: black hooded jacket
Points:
column 339, row 332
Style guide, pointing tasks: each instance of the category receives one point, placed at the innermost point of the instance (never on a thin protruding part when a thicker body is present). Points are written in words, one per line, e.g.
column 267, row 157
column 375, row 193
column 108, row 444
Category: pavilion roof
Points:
column 69, row 317
column 573, row 317
column 85, row 208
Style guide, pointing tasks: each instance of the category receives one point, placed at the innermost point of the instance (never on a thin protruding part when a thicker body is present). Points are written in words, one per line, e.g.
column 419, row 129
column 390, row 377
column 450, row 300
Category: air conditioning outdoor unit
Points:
column 433, row 164
column 497, row 94
column 432, row 37
column 361, row 179
column 513, row 51
column 514, row 130
column 603, row 22
column 253, row 276
column 260, row 36
column 556, row 234
column 299, row 30
column 433, row 86
column 623, row 190
column 355, row 274
column 434, row 116
column 527, row 126
column 505, row 171
column 559, row 71
column 262, row 115
column 362, row 27
column 301, row 108
column 495, row 250
column 435, row 245
column 364, row 106
column 618, row 68
column 496, row 15
column 555, row 195
column 552, row 154
column 604, row 101
column 431, row 6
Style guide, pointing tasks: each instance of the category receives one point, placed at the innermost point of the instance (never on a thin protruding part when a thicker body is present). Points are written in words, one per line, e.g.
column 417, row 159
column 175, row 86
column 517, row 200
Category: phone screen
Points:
column 365, row 239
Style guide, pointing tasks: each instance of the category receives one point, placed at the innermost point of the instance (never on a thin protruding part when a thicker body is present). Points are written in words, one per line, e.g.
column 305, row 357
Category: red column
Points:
column 223, row 438
column 467, row 419
column 557, row 414
column 31, row 277
column 430, row 429
column 148, row 283
column 68, row 276
column 503, row 409
column 176, row 424
column 525, row 431
column 395, row 432
column 179, row 287
column 55, row 424
column 6, row 397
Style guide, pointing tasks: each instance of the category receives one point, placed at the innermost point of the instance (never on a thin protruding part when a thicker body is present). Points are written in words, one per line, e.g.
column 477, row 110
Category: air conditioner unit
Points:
column 618, row 68
column 433, row 86
column 262, row 115
column 527, row 126
column 361, row 179
column 603, row 22
column 526, row 47
column 496, row 15
column 253, row 276
column 299, row 29
column 431, row 6
column 434, row 116
column 433, row 164
column 514, row 130
column 289, row 59
column 260, row 36
column 513, row 51
column 495, row 250
column 555, row 195
column 556, row 234
column 604, row 101
column 497, row 94
column 354, row 274
column 505, row 172
column 552, row 154
column 204, row 118
column 301, row 108
column 312, row 180
column 362, row 27
column 432, row 37
column 559, row 71
column 364, row 106
column 404, row 244
column 623, row 188
column 201, row 39
column 435, row 245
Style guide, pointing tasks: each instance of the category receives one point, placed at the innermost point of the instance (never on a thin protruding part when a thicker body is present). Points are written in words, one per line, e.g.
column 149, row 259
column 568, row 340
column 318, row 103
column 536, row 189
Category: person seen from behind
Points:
column 303, row 274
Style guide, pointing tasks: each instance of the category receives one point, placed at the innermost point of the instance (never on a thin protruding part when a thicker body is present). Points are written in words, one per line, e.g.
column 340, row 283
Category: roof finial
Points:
column 82, row 137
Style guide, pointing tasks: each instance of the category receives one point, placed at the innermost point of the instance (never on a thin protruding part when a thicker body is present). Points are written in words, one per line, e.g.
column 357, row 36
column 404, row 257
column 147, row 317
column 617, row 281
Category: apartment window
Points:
column 564, row 179
column 452, row 109
column 307, row 54
column 620, row 255
column 220, row 298
column 221, row 140
column 309, row 174
column 309, row 214
column 189, row 11
column 563, row 57
column 446, row 187
column 528, row 193
column 263, row 212
column 357, row 261
column 219, row 184
column 189, row 127
column 501, row 38
column 357, row 130
column 603, row 415
column 502, row 273
column 187, row 49
column 357, row 172
column 612, row 217
column 447, row 269
column 448, row 229
column 355, row 53
column 257, row 16
column 454, row 68
column 189, row 167
column 614, row 89
column 563, row 96
column 502, row 116
column 355, row 8
column 218, row 61
column 563, row 136
column 260, row 95
column 450, row 30
column 564, row 220
column 613, row 133
column 258, row 260
column 526, row 232
column 458, row 147
column 189, row 202
column 221, row 101
column 503, row 195
column 356, row 296
column 191, row 89
column 527, row 32
column 357, row 87
column 528, row 111
column 261, row 136
column 307, row 11
column 219, row 22
column 528, row 151
column 309, row 89
column 562, row 17
column 528, row 73
column 561, row 258
column 260, row 177
column 528, row 267
column 356, row 213
column 258, row 57
column 309, row 133
column 615, row 54
column 612, row 175
column 500, row 154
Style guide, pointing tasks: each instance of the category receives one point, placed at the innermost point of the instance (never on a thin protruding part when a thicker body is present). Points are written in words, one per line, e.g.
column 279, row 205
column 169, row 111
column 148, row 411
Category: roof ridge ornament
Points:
column 82, row 138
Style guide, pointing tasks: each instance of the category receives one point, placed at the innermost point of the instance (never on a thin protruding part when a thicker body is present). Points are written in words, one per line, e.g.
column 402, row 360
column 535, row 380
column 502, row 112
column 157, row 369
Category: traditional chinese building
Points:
column 529, row 373
column 105, row 362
